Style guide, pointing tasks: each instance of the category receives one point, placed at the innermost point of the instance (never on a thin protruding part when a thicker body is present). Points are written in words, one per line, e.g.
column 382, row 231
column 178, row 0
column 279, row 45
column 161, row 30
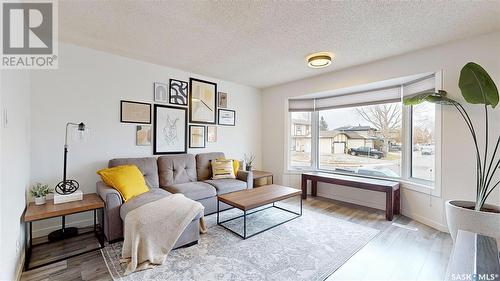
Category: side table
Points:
column 261, row 178
column 90, row 202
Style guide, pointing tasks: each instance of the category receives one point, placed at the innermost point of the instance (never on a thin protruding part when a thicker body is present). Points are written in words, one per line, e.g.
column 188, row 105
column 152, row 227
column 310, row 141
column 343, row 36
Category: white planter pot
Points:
column 39, row 200
column 459, row 216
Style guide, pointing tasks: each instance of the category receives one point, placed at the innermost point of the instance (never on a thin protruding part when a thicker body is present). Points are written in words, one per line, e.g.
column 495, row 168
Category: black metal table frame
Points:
column 246, row 213
column 29, row 240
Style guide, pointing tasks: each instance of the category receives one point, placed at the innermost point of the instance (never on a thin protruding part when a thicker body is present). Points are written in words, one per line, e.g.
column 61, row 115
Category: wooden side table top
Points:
column 252, row 198
column 90, row 202
column 261, row 174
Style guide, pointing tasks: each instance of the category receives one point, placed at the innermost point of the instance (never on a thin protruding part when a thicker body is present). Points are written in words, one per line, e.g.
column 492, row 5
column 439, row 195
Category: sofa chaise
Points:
column 181, row 173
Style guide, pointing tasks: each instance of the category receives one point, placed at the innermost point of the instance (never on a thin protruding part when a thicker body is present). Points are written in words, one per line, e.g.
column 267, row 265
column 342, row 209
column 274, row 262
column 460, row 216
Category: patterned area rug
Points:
column 310, row 247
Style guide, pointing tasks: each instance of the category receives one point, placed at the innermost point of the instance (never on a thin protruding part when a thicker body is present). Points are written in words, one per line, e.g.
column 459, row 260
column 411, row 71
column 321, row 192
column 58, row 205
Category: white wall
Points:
column 14, row 168
column 88, row 87
column 457, row 153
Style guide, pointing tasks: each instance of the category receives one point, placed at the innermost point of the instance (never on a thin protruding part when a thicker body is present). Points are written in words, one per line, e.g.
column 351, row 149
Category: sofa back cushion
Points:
column 146, row 165
column 203, row 166
column 175, row 169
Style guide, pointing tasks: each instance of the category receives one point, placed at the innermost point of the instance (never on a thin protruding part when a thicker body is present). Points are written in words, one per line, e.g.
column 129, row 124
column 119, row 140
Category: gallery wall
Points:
column 457, row 181
column 88, row 87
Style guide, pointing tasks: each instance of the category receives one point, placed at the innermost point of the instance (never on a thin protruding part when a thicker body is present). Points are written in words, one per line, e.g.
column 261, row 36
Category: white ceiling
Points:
column 264, row 43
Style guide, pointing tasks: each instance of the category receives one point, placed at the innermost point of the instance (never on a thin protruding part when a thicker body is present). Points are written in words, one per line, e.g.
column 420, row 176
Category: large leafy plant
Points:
column 477, row 87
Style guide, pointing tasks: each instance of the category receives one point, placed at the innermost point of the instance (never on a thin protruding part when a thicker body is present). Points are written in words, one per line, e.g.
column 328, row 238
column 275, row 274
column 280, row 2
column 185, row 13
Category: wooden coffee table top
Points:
column 252, row 198
column 90, row 202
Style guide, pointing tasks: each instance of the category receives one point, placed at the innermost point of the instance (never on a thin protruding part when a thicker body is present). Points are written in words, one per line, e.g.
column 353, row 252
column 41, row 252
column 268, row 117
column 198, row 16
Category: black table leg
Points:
column 244, row 224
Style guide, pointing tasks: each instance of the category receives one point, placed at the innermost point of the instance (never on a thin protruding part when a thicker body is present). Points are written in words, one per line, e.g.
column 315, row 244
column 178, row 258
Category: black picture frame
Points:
column 204, row 136
column 214, row 102
column 156, row 151
column 170, row 88
column 225, row 124
column 122, row 120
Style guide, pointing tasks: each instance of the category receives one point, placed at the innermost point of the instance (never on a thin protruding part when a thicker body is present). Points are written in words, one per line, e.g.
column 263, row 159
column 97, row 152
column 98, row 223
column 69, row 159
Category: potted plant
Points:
column 39, row 192
column 477, row 87
column 248, row 161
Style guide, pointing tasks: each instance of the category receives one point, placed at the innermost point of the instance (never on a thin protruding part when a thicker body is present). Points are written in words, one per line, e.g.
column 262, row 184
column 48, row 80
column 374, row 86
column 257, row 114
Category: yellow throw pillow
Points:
column 127, row 179
column 222, row 169
column 236, row 165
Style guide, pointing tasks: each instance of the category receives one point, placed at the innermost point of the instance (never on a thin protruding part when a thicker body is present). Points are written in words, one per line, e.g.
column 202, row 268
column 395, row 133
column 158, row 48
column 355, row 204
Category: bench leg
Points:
column 304, row 187
column 397, row 202
column 389, row 207
column 314, row 188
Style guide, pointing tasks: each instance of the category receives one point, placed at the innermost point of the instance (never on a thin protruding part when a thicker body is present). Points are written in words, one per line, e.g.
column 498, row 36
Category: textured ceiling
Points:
column 264, row 43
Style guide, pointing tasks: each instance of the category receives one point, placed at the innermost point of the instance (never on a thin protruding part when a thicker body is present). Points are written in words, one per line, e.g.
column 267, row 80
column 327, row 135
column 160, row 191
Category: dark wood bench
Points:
column 390, row 188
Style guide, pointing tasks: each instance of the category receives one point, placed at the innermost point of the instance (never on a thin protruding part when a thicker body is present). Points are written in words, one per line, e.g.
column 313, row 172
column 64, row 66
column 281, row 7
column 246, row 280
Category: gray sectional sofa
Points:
column 181, row 173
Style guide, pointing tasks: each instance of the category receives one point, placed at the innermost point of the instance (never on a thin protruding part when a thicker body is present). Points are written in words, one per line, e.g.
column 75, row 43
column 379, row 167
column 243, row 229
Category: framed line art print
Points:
column 197, row 136
column 227, row 117
column 202, row 101
column 178, row 92
column 170, row 130
column 135, row 112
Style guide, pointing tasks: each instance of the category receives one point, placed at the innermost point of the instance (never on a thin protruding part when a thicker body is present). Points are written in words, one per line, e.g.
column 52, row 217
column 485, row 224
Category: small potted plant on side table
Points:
column 39, row 192
column 249, row 161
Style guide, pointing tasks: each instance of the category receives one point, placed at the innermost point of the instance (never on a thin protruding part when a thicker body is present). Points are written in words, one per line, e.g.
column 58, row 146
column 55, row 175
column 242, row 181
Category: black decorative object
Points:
column 68, row 186
column 178, row 92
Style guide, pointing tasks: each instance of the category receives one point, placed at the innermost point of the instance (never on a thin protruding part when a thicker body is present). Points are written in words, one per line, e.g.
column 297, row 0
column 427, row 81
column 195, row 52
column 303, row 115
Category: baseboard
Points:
column 424, row 220
column 45, row 231
column 20, row 266
column 352, row 201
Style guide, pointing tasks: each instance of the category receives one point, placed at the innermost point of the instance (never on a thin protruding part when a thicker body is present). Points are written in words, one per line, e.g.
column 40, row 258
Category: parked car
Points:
column 427, row 150
column 366, row 151
column 382, row 172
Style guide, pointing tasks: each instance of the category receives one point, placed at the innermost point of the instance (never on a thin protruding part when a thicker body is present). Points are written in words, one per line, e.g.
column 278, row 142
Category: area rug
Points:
column 310, row 247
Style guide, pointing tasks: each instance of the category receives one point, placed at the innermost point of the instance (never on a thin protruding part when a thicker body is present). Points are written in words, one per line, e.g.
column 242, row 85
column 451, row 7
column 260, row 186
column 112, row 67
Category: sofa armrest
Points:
column 113, row 225
column 246, row 176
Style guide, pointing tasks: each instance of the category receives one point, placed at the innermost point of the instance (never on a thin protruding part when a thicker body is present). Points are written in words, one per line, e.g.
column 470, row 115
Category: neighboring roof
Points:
column 350, row 135
column 355, row 128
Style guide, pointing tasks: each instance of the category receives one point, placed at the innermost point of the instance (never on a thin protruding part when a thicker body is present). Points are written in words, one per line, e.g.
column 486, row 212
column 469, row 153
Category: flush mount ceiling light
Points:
column 319, row 60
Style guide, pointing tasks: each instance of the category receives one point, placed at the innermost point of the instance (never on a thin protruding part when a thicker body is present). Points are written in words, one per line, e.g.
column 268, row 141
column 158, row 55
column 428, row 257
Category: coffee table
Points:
column 249, row 199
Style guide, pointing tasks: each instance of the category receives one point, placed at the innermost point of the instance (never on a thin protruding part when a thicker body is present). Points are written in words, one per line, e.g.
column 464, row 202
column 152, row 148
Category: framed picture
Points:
column 196, row 136
column 222, row 100
column 143, row 135
column 169, row 130
column 211, row 133
column 178, row 92
column 135, row 112
column 160, row 91
column 202, row 96
column 227, row 117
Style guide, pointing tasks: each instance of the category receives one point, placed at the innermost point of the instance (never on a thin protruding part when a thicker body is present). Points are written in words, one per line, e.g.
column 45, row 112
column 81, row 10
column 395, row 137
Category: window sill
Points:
column 407, row 184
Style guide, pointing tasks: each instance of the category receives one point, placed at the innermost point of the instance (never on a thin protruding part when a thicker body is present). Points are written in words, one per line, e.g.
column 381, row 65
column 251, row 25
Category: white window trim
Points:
column 405, row 180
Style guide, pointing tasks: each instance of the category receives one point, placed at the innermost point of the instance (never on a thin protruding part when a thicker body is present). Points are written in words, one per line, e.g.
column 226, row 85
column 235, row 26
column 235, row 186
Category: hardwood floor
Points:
column 403, row 250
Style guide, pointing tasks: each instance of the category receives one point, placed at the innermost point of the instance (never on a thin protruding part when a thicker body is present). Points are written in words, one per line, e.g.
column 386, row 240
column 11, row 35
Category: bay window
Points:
column 366, row 133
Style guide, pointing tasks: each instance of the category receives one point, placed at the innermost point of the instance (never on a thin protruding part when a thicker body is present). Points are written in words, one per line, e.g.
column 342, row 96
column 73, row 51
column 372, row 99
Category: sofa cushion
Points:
column 227, row 185
column 193, row 190
column 148, row 197
column 147, row 166
column 174, row 169
column 203, row 166
column 127, row 179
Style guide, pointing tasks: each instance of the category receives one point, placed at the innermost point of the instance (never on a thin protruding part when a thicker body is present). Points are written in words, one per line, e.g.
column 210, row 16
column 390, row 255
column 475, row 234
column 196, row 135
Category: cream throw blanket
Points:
column 152, row 230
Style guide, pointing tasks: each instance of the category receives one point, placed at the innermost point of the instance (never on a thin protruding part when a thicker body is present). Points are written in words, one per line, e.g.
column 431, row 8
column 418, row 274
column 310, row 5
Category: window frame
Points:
column 432, row 188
